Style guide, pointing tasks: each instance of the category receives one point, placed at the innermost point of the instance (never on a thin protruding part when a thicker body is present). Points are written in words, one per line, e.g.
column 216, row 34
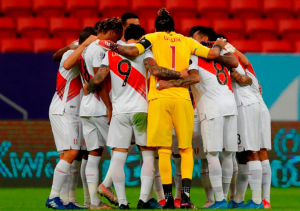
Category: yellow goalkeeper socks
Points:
column 165, row 167
column 187, row 163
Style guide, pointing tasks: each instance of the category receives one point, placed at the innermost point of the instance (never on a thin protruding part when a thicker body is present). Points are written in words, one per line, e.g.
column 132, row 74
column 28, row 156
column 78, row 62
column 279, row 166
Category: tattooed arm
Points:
column 162, row 72
column 96, row 81
column 242, row 80
column 193, row 78
column 228, row 60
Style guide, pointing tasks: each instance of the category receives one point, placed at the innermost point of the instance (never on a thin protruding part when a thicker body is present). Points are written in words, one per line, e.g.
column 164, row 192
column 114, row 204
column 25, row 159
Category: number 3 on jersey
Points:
column 173, row 58
column 121, row 63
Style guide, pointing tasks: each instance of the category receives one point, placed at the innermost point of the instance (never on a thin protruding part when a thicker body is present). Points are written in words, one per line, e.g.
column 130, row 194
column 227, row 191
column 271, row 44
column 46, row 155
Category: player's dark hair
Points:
column 220, row 36
column 127, row 16
column 96, row 26
column 110, row 24
column 85, row 33
column 207, row 31
column 134, row 31
column 164, row 21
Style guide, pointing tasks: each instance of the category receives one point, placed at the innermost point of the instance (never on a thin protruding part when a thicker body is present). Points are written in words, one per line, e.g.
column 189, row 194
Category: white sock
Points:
column 74, row 174
column 215, row 175
column 60, row 177
column 157, row 184
column 177, row 177
column 64, row 192
column 266, row 179
column 206, row 181
column 241, row 183
column 147, row 174
column 92, row 177
column 118, row 175
column 107, row 182
column 234, row 176
column 227, row 171
column 87, row 198
column 255, row 180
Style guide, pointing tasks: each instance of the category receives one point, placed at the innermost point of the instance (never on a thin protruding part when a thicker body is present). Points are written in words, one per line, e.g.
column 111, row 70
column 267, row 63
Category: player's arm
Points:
column 96, row 81
column 242, row 80
column 243, row 59
column 228, row 60
column 208, row 53
column 58, row 55
column 193, row 78
column 71, row 61
column 162, row 72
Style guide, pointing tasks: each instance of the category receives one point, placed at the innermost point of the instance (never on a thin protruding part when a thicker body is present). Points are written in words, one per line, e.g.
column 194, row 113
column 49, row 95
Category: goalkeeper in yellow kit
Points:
column 171, row 106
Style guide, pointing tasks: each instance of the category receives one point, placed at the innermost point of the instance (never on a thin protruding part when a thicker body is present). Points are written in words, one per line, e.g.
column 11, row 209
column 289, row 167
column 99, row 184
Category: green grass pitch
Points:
column 34, row 199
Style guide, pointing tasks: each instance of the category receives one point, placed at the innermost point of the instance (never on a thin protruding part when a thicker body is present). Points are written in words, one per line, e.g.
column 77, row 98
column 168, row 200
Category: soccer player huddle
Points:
column 175, row 97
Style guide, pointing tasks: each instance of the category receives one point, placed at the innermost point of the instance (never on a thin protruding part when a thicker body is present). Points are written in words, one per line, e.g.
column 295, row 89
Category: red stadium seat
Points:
column 150, row 25
column 179, row 8
column 297, row 47
column 272, row 46
column 261, row 29
column 70, row 41
column 79, row 8
column 246, row 45
column 15, row 45
column 113, row 8
column 187, row 23
column 90, row 22
column 278, row 9
column 212, row 9
column 14, row 8
column 46, row 8
column 246, row 9
column 289, row 29
column 297, row 8
column 144, row 9
column 232, row 29
column 65, row 27
column 32, row 27
column 7, row 28
column 47, row 45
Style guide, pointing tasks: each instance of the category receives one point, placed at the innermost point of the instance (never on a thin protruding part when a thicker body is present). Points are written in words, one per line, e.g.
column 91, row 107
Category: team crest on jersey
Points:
column 75, row 141
column 101, row 56
column 196, row 150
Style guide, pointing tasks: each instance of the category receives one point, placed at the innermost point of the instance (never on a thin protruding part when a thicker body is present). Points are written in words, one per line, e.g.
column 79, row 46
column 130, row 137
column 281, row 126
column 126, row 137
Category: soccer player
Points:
column 96, row 109
column 171, row 106
column 127, row 19
column 264, row 133
column 249, row 118
column 217, row 112
column 66, row 127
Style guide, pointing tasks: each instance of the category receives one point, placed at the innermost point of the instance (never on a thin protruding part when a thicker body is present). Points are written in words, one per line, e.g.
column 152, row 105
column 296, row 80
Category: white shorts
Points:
column 123, row 131
column 219, row 134
column 95, row 131
column 249, row 118
column 67, row 131
column 265, row 131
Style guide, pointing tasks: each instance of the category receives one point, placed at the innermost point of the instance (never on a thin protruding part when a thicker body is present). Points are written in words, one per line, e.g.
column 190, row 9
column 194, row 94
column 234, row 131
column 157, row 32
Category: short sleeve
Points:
column 148, row 54
column 98, row 55
column 197, row 49
column 105, row 60
column 193, row 63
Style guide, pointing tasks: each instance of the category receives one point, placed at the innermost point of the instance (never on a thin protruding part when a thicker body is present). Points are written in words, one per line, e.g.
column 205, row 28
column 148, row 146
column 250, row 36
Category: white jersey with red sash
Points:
column 213, row 95
column 68, row 92
column 128, row 81
column 91, row 105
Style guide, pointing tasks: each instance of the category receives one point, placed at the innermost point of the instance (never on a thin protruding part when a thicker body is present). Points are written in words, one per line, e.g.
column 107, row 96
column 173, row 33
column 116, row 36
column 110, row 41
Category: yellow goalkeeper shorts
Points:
column 163, row 113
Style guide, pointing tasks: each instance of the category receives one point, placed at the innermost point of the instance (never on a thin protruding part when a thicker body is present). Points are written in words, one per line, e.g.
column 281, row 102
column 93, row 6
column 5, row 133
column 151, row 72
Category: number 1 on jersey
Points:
column 173, row 47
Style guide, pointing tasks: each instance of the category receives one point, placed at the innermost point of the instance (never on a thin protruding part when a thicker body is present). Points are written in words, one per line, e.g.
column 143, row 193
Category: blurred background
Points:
column 267, row 31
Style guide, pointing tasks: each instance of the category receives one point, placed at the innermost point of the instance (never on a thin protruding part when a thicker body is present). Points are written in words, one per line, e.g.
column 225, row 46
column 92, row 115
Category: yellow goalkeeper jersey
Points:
column 172, row 51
